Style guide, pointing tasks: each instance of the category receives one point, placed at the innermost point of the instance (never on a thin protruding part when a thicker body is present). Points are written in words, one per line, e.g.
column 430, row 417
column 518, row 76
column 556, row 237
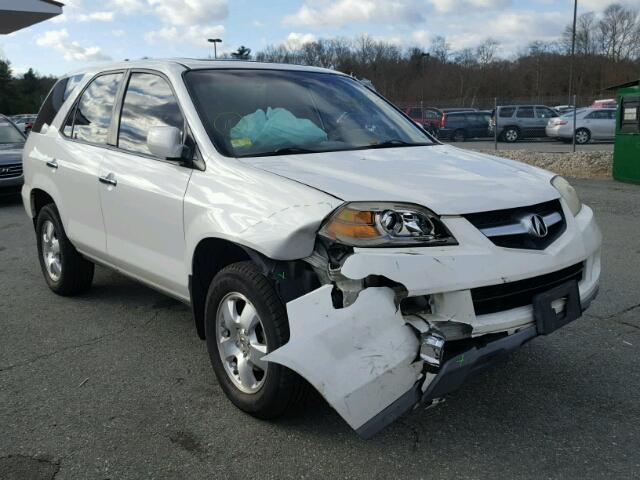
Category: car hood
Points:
column 445, row 179
column 10, row 153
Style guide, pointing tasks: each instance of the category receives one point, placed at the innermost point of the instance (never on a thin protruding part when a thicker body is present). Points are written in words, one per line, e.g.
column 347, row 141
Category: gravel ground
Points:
column 586, row 164
column 114, row 384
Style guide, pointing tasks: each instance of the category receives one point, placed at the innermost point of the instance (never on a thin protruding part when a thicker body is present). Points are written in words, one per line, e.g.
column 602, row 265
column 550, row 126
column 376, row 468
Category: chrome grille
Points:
column 11, row 170
column 512, row 228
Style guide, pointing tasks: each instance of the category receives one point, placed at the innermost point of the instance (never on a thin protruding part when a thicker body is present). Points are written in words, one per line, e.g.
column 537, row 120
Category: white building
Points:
column 18, row 14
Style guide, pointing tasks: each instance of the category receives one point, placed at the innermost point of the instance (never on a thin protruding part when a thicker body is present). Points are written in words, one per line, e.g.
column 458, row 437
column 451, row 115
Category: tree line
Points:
column 22, row 94
column 607, row 52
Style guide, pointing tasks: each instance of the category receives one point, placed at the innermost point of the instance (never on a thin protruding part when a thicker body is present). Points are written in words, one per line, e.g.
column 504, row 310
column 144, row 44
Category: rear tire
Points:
column 459, row 135
column 66, row 272
column 582, row 136
column 277, row 389
column 511, row 134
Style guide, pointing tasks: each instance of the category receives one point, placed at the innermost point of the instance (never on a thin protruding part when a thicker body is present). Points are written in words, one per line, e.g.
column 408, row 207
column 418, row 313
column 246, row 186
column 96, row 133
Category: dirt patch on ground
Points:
column 576, row 165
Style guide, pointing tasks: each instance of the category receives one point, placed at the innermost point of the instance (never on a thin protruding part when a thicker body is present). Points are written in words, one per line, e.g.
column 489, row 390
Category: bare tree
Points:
column 619, row 32
column 440, row 49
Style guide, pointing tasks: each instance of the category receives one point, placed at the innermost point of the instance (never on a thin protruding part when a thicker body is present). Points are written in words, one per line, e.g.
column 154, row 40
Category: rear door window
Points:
column 506, row 112
column 149, row 102
column 525, row 112
column 91, row 120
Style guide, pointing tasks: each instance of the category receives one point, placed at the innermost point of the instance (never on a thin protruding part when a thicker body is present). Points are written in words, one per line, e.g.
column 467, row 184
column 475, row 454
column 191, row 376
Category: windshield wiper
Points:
column 282, row 151
column 397, row 143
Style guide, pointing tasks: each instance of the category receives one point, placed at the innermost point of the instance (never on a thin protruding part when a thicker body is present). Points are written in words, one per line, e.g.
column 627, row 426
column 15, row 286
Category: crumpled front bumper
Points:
column 364, row 358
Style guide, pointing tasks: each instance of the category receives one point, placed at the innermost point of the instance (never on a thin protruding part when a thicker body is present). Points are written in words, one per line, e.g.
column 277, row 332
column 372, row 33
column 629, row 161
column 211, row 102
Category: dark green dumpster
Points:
column 626, row 152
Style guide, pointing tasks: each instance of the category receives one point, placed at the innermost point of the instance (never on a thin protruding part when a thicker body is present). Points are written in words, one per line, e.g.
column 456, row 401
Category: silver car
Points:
column 591, row 124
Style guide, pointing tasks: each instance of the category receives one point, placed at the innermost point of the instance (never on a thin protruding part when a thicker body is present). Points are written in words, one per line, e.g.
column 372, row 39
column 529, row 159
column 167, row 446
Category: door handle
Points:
column 53, row 163
column 108, row 180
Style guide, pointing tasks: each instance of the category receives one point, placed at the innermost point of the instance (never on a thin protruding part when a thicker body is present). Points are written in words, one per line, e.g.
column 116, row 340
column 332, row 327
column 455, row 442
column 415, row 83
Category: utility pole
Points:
column 423, row 56
column 215, row 41
column 573, row 48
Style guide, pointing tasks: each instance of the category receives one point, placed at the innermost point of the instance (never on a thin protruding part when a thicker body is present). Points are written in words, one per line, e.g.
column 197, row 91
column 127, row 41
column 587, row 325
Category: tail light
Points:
column 561, row 122
column 443, row 120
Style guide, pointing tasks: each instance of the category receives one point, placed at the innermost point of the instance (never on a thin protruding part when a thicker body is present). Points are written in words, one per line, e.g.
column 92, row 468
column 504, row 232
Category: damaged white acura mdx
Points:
column 320, row 237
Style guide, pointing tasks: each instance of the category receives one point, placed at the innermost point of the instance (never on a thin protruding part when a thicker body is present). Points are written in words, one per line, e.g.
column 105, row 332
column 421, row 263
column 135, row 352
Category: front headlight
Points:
column 568, row 193
column 384, row 224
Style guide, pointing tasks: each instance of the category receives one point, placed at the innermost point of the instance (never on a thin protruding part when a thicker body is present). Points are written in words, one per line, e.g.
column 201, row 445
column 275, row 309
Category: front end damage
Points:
column 391, row 328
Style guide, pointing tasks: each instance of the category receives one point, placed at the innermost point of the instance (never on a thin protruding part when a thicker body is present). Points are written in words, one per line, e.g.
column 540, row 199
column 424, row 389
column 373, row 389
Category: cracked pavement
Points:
column 115, row 384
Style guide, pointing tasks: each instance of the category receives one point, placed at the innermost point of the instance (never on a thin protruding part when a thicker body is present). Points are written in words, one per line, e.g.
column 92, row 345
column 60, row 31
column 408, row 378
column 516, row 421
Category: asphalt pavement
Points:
column 115, row 384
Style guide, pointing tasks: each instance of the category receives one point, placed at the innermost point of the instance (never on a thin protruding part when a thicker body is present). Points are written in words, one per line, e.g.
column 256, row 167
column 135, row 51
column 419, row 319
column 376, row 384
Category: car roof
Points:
column 199, row 64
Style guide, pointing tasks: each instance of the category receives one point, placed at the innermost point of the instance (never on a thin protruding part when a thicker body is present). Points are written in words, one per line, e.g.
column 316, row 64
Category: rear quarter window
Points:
column 54, row 101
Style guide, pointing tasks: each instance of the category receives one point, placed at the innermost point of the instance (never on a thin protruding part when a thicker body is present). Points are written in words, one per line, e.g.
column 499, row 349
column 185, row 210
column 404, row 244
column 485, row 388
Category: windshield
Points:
column 279, row 112
column 9, row 133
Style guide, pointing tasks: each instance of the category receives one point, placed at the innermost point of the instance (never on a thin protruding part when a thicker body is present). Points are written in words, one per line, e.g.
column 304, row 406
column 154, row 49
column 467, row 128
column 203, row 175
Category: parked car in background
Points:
column 605, row 103
column 562, row 109
column 11, row 145
column 24, row 122
column 459, row 126
column 430, row 117
column 516, row 122
column 591, row 124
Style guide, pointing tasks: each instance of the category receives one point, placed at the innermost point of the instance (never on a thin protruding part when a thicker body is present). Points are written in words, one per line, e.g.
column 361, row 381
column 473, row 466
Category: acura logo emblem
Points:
column 4, row 170
column 537, row 227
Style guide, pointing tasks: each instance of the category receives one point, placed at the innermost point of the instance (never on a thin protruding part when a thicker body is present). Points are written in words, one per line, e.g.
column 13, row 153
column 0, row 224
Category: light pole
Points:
column 423, row 56
column 215, row 49
column 573, row 47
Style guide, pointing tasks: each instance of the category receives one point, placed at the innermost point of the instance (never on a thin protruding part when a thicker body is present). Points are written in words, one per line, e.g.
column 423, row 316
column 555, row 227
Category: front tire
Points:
column 459, row 136
column 66, row 272
column 244, row 320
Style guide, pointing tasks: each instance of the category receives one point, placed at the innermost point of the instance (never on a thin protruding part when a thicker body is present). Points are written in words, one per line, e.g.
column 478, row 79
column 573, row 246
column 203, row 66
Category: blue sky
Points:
column 93, row 31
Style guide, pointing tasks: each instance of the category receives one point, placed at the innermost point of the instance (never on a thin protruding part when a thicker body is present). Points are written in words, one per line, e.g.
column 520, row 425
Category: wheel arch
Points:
column 291, row 278
column 38, row 198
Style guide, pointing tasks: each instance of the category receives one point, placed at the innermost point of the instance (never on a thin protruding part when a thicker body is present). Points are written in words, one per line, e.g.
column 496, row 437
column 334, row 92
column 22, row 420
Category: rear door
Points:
column 526, row 120
column 74, row 158
column 543, row 115
column 143, row 203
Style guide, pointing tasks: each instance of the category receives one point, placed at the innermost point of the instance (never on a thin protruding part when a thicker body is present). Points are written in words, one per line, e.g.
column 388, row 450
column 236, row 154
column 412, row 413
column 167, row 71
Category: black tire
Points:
column 582, row 136
column 511, row 134
column 282, row 388
column 459, row 135
column 76, row 273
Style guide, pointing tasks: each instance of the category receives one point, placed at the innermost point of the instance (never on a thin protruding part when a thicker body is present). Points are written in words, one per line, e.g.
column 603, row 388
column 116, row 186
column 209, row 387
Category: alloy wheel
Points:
column 51, row 251
column 241, row 342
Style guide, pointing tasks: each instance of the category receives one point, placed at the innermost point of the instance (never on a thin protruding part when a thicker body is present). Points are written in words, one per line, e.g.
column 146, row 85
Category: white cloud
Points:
column 60, row 41
column 296, row 40
column 343, row 12
column 96, row 17
column 194, row 34
column 421, row 37
column 448, row 6
column 177, row 12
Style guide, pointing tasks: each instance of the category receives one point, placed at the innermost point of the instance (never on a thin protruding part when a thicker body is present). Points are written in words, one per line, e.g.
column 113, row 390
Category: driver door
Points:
column 142, row 195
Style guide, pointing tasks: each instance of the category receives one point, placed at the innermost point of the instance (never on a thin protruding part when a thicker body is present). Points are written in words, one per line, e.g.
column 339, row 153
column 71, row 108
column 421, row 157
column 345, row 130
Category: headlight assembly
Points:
column 568, row 193
column 383, row 224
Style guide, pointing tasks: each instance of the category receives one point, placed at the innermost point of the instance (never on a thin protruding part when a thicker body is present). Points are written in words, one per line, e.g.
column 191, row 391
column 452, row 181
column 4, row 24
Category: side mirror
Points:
column 165, row 142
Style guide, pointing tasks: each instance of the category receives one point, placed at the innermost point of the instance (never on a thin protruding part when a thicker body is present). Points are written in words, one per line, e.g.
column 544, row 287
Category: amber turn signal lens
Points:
column 352, row 223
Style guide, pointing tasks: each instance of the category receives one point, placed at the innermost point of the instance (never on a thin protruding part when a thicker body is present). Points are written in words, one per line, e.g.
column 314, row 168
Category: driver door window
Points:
column 149, row 102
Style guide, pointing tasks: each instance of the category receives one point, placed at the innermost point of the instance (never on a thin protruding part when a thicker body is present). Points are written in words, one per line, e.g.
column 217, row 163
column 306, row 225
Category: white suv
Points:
column 319, row 236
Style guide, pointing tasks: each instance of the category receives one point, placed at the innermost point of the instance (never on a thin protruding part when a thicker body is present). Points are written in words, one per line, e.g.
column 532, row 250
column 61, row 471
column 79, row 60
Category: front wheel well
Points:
column 210, row 256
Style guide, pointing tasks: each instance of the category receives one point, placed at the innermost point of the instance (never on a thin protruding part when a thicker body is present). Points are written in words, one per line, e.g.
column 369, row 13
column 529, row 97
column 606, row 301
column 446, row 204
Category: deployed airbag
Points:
column 277, row 127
